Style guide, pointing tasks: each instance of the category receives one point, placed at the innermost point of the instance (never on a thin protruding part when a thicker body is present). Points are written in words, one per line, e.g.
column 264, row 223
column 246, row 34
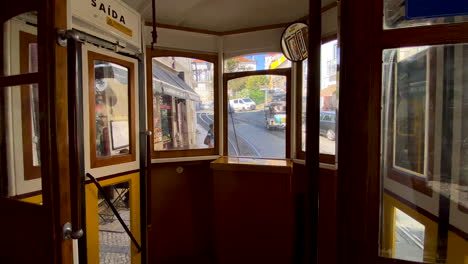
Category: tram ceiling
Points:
column 223, row 15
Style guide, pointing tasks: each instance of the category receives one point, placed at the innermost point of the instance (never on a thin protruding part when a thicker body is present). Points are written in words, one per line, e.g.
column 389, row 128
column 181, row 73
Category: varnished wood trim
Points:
column 234, row 75
column 252, row 29
column 124, row 158
column 149, row 86
column 329, row 6
column 425, row 35
column 26, row 195
column 30, row 171
column 241, row 30
column 182, row 28
column 462, row 208
column 329, row 37
column 22, row 79
column 103, row 178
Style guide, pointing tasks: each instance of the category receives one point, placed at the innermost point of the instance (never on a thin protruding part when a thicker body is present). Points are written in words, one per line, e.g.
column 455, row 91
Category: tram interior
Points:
column 199, row 139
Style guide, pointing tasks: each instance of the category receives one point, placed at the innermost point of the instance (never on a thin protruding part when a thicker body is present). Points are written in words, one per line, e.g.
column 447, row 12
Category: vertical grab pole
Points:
column 313, row 126
column 74, row 121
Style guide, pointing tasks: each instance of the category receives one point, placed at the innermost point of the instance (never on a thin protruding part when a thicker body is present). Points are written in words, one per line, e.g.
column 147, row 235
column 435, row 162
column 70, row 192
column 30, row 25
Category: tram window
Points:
column 396, row 15
column 409, row 237
column 257, row 116
column 183, row 110
column 20, row 35
column 20, row 154
column 328, row 101
column 424, row 155
column 256, row 62
column 111, row 110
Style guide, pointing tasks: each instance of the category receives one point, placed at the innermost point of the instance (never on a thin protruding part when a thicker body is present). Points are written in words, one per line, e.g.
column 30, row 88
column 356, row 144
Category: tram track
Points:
column 206, row 125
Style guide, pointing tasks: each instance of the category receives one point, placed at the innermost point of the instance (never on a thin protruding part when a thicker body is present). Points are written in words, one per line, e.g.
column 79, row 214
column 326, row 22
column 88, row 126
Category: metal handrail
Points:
column 103, row 193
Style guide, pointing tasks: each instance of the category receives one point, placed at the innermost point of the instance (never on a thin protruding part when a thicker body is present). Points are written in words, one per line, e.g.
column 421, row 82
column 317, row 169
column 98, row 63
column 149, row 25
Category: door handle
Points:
column 68, row 232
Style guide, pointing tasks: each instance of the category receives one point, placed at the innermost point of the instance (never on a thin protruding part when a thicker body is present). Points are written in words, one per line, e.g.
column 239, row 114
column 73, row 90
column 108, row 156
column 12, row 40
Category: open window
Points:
column 257, row 106
column 328, row 104
column 182, row 103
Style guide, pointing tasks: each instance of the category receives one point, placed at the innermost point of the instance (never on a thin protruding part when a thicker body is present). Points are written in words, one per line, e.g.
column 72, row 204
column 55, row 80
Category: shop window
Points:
column 112, row 113
column 183, row 104
column 328, row 104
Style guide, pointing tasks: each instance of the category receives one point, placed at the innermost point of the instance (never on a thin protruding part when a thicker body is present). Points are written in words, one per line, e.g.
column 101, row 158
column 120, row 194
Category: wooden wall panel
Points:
column 181, row 228
column 327, row 234
column 253, row 217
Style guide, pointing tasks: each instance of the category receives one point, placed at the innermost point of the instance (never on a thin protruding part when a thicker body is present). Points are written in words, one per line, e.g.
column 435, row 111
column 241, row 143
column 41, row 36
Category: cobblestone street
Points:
column 114, row 243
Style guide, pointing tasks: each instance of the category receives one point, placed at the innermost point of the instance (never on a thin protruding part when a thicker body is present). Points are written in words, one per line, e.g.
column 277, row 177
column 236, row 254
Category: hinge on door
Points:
column 68, row 233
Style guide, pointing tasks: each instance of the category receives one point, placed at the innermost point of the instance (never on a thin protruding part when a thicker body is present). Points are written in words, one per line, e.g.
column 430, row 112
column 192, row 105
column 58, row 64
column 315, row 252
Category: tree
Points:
column 252, row 88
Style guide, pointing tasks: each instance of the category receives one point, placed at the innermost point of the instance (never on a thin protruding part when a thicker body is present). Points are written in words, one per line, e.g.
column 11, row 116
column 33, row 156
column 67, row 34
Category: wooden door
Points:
column 401, row 180
column 34, row 149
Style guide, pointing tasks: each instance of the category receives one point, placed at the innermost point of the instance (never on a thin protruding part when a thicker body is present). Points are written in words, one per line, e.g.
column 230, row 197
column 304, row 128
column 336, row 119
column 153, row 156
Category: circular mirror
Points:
column 294, row 42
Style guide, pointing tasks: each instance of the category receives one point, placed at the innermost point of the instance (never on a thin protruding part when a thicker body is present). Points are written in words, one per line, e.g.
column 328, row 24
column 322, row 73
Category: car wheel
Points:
column 331, row 135
column 252, row 107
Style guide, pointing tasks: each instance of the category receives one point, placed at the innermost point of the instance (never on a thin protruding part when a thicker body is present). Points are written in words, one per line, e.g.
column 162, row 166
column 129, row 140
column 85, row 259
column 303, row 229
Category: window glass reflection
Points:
column 183, row 103
column 111, row 109
column 424, row 155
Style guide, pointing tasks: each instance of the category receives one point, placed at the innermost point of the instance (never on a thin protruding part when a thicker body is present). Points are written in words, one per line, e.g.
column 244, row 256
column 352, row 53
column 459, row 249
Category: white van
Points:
column 242, row 104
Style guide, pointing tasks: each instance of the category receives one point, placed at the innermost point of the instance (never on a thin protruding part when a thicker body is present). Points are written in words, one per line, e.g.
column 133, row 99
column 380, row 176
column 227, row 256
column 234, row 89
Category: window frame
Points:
column 124, row 158
column 402, row 176
column 286, row 72
column 300, row 154
column 213, row 58
column 31, row 172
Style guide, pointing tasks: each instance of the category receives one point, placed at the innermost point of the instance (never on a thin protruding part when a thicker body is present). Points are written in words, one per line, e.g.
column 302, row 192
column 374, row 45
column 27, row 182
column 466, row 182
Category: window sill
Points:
column 277, row 166
column 182, row 159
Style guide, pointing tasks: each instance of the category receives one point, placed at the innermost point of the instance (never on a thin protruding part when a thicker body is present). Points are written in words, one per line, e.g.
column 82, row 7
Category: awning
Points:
column 168, row 83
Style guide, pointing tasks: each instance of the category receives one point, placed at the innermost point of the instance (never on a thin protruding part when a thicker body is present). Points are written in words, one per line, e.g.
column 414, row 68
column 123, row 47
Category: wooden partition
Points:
column 235, row 213
column 181, row 213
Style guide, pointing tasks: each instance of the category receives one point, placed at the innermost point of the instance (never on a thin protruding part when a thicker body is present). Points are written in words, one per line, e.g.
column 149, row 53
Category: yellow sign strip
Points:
column 119, row 26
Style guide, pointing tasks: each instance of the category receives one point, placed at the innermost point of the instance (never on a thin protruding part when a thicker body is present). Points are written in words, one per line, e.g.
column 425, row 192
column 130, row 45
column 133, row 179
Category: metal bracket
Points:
column 67, row 232
column 64, row 35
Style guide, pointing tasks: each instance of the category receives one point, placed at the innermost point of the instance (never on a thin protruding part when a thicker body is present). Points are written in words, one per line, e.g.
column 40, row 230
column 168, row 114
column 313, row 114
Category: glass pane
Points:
column 257, row 116
column 256, row 62
column 111, row 109
column 20, row 45
column 424, row 154
column 396, row 14
column 328, row 99
column 114, row 243
column 20, row 177
column 183, row 103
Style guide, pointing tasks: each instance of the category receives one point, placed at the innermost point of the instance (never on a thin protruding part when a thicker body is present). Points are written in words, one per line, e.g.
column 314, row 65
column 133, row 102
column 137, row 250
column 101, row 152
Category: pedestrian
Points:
column 209, row 139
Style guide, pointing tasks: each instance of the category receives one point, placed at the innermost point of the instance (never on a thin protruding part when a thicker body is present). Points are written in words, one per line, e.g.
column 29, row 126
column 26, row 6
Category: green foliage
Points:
column 250, row 88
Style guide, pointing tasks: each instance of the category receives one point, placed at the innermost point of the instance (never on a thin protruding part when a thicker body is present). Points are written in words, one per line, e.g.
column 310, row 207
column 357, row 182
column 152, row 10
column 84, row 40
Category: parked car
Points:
column 207, row 106
column 328, row 124
column 242, row 104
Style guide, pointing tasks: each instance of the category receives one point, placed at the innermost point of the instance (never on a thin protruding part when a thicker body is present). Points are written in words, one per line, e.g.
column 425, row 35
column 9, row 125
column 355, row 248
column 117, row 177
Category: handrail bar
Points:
column 101, row 190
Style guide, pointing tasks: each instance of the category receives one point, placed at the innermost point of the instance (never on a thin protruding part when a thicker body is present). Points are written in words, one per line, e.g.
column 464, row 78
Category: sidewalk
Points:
column 201, row 134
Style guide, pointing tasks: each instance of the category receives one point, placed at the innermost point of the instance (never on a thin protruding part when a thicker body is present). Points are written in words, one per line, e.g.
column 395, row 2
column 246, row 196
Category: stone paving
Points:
column 114, row 243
